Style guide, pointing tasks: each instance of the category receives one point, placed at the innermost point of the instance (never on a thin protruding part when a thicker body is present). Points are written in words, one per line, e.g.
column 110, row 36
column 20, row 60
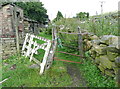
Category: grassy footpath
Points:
column 89, row 71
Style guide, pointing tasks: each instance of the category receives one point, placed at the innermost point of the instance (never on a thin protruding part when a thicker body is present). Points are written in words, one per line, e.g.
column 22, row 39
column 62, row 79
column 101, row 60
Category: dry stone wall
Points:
column 104, row 51
column 8, row 47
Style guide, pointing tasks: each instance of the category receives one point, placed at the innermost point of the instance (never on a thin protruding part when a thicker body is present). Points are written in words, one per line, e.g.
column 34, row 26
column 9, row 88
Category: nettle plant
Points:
column 102, row 26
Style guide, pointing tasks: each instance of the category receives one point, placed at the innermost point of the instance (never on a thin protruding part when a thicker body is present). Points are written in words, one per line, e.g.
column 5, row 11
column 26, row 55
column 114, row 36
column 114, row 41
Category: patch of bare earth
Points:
column 77, row 79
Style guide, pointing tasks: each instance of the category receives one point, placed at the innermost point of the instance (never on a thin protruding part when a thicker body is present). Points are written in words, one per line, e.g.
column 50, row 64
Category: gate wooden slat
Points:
column 45, row 58
column 28, row 51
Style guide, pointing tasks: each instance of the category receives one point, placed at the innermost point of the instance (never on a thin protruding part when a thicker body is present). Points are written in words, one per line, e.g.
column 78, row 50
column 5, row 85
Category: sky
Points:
column 69, row 8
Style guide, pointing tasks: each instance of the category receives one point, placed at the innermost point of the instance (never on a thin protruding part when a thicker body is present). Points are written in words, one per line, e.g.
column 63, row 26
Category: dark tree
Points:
column 82, row 15
column 59, row 16
column 87, row 15
column 34, row 10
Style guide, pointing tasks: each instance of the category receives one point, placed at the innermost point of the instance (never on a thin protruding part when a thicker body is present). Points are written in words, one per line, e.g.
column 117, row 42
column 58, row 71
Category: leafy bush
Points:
column 48, row 30
column 102, row 26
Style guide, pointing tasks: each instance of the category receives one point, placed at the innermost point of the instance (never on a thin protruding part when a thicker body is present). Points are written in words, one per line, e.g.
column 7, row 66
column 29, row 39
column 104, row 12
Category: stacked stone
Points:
column 8, row 47
column 105, row 52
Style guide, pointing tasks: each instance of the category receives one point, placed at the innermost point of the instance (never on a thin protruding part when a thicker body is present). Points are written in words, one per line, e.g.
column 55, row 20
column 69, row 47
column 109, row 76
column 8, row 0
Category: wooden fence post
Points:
column 52, row 49
column 80, row 42
column 54, row 38
column 1, row 28
column 16, row 29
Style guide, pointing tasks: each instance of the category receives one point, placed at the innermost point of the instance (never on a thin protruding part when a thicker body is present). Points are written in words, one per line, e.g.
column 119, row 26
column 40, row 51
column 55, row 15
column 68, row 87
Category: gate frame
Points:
column 49, row 50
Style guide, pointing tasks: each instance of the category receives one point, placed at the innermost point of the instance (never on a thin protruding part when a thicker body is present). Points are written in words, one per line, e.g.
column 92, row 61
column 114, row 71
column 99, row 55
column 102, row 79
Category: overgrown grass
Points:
column 100, row 25
column 97, row 25
column 23, row 76
column 47, row 36
column 56, row 76
column 93, row 75
column 89, row 70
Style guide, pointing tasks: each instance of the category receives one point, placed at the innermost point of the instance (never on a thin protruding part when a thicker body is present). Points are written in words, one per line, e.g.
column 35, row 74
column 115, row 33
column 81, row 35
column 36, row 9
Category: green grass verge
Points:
column 93, row 75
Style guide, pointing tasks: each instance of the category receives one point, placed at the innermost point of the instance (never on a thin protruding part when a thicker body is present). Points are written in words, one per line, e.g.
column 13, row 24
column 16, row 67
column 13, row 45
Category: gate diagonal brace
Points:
column 29, row 51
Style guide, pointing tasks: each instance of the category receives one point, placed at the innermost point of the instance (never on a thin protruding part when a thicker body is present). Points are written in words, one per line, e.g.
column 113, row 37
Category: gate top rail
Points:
column 37, row 37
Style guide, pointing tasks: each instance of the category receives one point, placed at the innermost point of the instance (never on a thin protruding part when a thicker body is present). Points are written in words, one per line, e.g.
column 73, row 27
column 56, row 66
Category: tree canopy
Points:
column 82, row 15
column 59, row 16
column 33, row 10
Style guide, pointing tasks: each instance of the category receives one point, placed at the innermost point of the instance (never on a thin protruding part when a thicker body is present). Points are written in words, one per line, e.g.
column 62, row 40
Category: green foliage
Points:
column 82, row 15
column 70, row 25
column 34, row 10
column 48, row 30
column 23, row 76
column 93, row 75
column 101, row 26
column 45, row 35
column 56, row 76
column 59, row 16
column 89, row 70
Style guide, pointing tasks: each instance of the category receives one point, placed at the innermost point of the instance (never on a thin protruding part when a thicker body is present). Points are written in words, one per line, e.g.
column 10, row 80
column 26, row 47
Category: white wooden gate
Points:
column 29, row 51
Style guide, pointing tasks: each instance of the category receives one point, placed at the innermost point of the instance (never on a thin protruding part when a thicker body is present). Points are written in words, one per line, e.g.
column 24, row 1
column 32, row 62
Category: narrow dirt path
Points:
column 74, row 72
